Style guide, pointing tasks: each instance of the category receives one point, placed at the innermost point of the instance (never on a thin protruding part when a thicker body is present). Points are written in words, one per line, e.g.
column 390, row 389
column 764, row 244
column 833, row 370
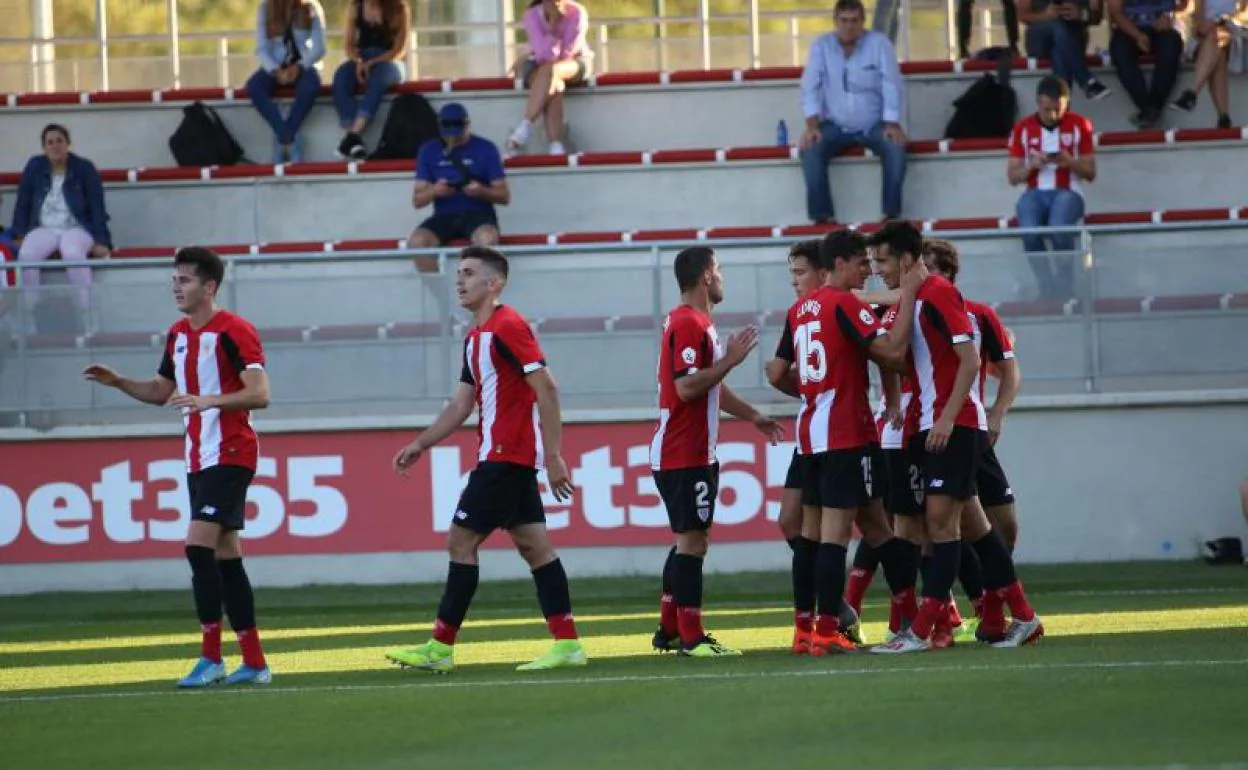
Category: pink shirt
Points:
column 565, row 41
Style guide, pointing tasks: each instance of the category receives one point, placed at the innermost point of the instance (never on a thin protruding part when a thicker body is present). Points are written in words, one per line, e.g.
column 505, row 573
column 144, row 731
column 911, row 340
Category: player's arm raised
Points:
column 551, row 419
column 890, row 382
column 734, row 405
column 889, row 350
column 697, row 384
column 155, row 391
column 453, row 415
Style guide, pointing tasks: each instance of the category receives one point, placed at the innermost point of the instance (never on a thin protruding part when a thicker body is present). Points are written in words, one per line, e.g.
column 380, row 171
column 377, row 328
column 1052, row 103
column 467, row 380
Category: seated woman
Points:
column 558, row 58
column 376, row 39
column 1220, row 39
column 290, row 41
column 60, row 208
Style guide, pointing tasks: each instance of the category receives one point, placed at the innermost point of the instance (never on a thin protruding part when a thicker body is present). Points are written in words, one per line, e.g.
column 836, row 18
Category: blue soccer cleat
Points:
column 205, row 674
column 245, row 674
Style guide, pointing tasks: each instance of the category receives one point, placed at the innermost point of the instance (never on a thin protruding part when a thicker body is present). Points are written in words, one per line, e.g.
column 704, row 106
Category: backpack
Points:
column 989, row 108
column 201, row 139
column 411, row 122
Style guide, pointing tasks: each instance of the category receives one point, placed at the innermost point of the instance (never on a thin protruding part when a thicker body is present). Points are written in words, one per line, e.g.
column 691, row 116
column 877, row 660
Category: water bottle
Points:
column 782, row 134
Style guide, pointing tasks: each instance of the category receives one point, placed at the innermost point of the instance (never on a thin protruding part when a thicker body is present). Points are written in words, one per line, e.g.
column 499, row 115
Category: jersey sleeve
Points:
column 465, row 374
column 947, row 308
column 166, row 368
column 518, row 344
column 784, row 348
column 492, row 169
column 242, row 345
column 996, row 343
column 1017, row 148
column 1087, row 144
column 857, row 322
column 689, row 346
column 425, row 170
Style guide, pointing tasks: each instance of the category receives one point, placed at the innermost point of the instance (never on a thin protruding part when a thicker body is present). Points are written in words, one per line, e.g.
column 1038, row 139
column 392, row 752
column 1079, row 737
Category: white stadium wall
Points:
column 1099, row 478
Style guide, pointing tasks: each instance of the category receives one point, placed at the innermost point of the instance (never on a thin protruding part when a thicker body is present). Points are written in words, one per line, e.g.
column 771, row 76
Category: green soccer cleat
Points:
column 707, row 647
column 966, row 631
column 662, row 642
column 431, row 656
column 567, row 653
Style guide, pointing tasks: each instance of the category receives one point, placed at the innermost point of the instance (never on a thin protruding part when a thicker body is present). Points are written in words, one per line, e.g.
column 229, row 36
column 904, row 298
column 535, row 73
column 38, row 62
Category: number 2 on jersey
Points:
column 812, row 357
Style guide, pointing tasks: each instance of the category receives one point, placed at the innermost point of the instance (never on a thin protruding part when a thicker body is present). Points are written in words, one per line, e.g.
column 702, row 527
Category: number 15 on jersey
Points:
column 812, row 357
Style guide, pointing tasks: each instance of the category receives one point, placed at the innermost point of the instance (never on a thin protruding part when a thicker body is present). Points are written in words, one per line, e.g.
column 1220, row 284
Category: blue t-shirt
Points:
column 479, row 156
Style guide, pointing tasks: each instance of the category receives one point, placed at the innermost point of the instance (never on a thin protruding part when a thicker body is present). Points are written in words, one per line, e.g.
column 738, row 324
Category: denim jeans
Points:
column 1062, row 42
column 1167, row 50
column 815, row 168
column 1051, row 208
column 381, row 77
column 260, row 88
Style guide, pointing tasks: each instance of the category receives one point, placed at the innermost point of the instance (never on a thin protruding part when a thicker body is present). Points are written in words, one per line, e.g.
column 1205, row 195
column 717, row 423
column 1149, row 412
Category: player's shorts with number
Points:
column 903, row 495
column 500, row 495
column 952, row 471
column 994, row 486
column 219, row 495
column 689, row 495
column 841, row 478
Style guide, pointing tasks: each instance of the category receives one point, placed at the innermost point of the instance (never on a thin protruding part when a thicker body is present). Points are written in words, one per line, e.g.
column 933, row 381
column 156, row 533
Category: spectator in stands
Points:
column 376, row 38
column 1220, row 39
column 852, row 95
column 1058, row 30
column 965, row 10
column 462, row 175
column 290, row 41
column 558, row 57
column 60, row 209
column 1141, row 28
column 1051, row 152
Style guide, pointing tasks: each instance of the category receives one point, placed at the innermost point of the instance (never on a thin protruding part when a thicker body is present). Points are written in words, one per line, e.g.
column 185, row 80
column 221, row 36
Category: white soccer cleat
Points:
column 903, row 642
column 1021, row 632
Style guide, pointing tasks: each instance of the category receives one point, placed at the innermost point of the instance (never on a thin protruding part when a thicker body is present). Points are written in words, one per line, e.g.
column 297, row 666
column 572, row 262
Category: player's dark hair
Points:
column 208, row 265
column 691, row 264
column 944, row 256
column 807, row 250
column 849, row 6
column 1053, row 87
column 841, row 244
column 492, row 257
column 901, row 237
column 54, row 128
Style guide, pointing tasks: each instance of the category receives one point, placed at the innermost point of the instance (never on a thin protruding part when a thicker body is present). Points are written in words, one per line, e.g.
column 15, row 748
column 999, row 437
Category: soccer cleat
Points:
column 831, row 645
column 205, row 674
column 567, row 653
column 245, row 674
column 903, row 642
column 706, row 647
column 431, row 656
column 942, row 637
column 854, row 634
column 665, row 642
column 801, row 641
column 1022, row 632
column 851, row 624
column 967, row 631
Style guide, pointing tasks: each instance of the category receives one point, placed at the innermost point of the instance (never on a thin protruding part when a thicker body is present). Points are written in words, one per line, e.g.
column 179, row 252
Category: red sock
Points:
column 561, row 626
column 690, row 621
column 977, row 606
column 1020, row 608
column 249, row 642
column 210, row 647
column 804, row 621
column 667, row 616
column 906, row 607
column 930, row 612
column 444, row 632
column 894, row 616
column 992, row 617
column 827, row 625
column 859, row 582
column 955, row 617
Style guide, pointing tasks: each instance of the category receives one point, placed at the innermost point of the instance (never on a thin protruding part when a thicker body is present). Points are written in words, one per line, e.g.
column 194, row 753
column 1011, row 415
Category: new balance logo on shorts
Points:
column 461, row 515
column 208, row 510
column 936, row 483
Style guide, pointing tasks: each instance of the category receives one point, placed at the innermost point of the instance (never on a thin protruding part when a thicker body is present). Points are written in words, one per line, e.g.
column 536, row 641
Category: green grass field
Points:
column 1143, row 666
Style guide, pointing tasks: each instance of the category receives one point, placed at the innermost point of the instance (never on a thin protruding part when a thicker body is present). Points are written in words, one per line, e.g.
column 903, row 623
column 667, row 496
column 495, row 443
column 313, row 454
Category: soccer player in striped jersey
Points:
column 213, row 371
column 504, row 376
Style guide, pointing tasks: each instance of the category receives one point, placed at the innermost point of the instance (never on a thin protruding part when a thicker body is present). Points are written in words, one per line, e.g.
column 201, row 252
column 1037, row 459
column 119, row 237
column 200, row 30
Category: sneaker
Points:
column 557, row 148
column 205, row 674
column 567, row 653
column 1021, row 633
column 245, row 674
column 1224, row 121
column 706, row 647
column 1096, row 90
column 801, row 641
column 902, row 643
column 352, row 147
column 1186, row 101
column 431, row 656
column 665, row 642
column 519, row 137
column 831, row 645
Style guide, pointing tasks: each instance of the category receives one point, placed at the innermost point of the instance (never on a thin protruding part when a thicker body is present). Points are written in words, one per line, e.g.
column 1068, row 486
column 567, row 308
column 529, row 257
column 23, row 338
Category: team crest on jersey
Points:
column 689, row 356
column 866, row 316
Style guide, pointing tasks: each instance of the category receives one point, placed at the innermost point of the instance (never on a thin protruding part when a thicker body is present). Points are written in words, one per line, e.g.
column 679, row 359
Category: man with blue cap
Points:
column 462, row 176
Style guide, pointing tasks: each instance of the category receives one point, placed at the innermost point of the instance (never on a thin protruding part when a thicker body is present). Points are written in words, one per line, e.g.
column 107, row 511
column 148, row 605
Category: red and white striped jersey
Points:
column 990, row 337
column 830, row 330
column 497, row 356
column 1072, row 134
column 210, row 362
column 688, row 430
column 8, row 276
column 890, row 437
column 941, row 321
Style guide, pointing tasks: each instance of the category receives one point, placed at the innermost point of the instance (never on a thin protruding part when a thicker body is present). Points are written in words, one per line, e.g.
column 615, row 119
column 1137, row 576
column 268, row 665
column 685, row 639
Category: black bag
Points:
column 411, row 122
column 203, row 140
column 989, row 107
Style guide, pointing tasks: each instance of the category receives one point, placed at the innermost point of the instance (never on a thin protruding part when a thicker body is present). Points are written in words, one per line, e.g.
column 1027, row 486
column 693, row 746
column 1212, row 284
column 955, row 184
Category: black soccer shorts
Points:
column 840, row 478
column 500, row 495
column 793, row 479
column 689, row 494
column 953, row 471
column 219, row 495
column 904, row 493
column 994, row 486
